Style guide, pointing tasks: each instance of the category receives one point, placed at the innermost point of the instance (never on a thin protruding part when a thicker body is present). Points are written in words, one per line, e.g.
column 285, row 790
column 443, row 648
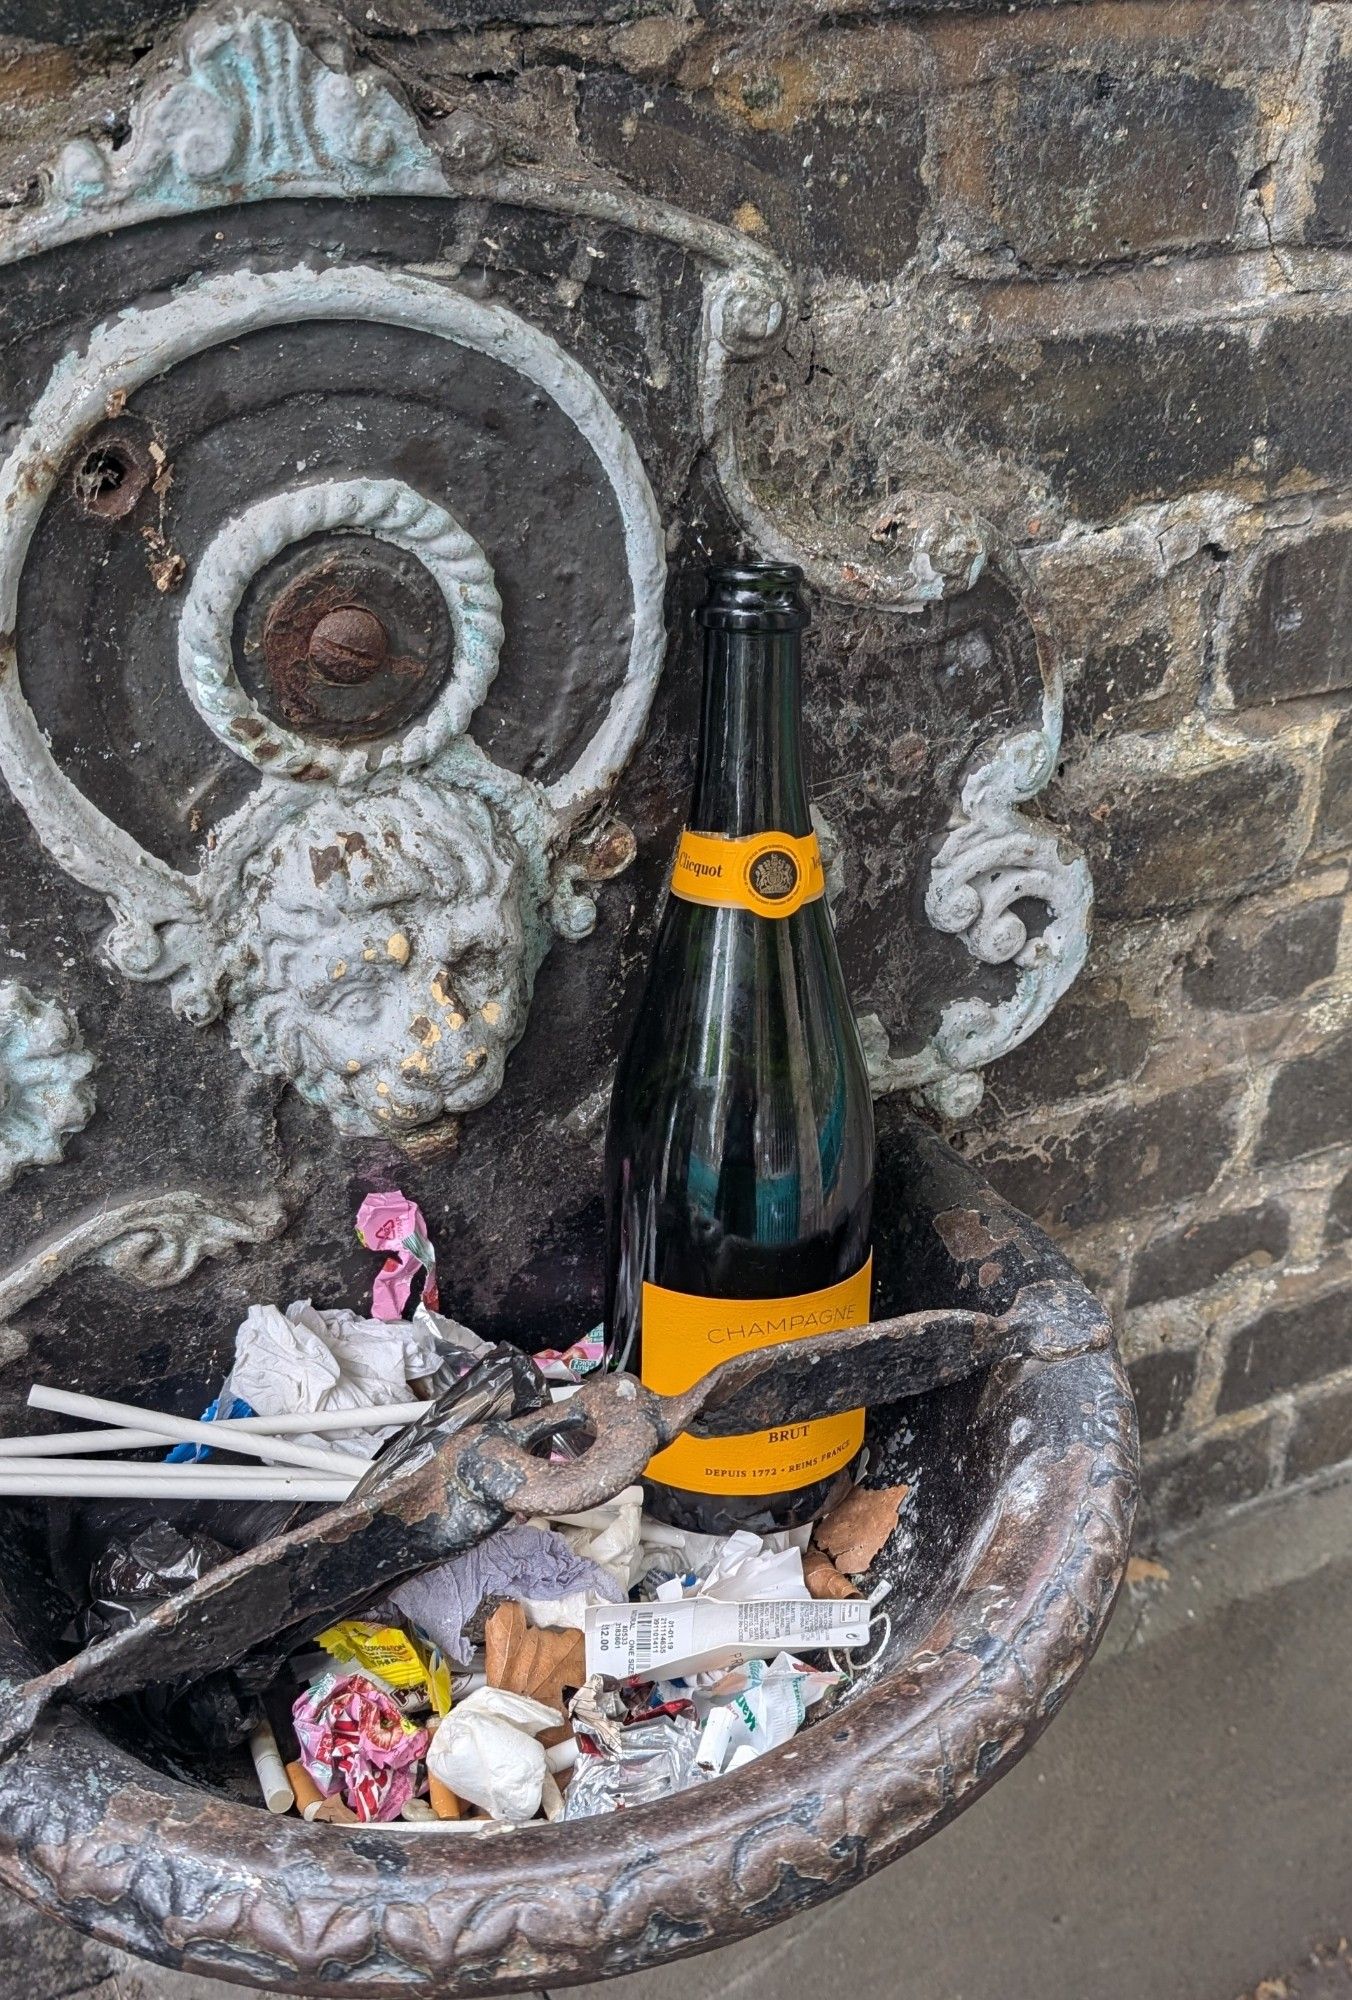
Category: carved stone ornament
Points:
column 44, row 1096
column 156, row 1240
column 370, row 921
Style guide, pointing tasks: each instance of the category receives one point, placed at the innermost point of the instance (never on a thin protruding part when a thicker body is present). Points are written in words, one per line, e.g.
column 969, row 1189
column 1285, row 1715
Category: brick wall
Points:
column 1152, row 205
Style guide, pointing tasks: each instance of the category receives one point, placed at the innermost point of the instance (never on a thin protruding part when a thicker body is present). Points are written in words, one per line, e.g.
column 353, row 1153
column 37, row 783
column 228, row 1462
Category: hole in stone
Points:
column 109, row 481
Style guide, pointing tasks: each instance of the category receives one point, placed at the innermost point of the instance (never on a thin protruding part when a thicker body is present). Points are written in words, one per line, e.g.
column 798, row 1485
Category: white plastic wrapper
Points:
column 756, row 1707
column 289, row 1363
column 487, row 1751
column 683, row 1553
column 661, row 1641
column 744, row 1569
column 607, row 1535
column 654, row 1760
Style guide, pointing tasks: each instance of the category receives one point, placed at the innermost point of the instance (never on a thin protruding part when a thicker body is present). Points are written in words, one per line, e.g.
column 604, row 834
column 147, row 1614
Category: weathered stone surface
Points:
column 1112, row 419
column 1120, row 679
column 1161, row 1384
column 1186, row 1260
column 1219, row 1471
column 1338, row 1222
column 1126, row 1161
column 1331, row 217
column 1175, row 841
column 1092, row 1040
column 1249, row 961
column 1294, row 632
column 815, row 145
column 1310, row 1105
column 1135, row 628
column 1321, row 1435
column 1285, row 1347
column 1084, row 164
column 1333, row 825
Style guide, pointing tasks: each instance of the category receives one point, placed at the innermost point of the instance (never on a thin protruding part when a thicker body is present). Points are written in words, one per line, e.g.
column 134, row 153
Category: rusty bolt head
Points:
column 348, row 645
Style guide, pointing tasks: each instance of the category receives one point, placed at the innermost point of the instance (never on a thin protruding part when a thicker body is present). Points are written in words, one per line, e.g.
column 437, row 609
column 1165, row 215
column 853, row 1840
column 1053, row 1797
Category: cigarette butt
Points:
column 551, row 1798
column 335, row 1813
column 561, row 1756
column 443, row 1800
column 273, row 1782
column 822, row 1577
column 714, row 1740
column 309, row 1798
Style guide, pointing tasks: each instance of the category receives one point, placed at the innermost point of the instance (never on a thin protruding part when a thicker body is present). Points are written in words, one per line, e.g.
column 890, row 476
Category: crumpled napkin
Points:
column 487, row 1750
column 305, row 1359
column 529, row 1565
column 608, row 1535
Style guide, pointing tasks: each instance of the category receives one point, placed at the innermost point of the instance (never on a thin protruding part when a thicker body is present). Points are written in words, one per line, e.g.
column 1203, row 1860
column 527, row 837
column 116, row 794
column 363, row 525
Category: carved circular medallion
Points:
column 391, row 512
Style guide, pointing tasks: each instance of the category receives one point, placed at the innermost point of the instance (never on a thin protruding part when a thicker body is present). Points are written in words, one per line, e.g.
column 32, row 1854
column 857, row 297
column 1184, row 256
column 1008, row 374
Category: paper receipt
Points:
column 660, row 1640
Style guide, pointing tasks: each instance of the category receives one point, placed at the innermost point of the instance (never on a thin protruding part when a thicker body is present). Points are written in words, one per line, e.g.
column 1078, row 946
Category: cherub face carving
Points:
column 384, row 956
column 370, row 919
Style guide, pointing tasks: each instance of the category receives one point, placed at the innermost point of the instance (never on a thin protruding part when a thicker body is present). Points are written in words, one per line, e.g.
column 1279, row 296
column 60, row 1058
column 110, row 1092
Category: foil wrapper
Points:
column 654, row 1760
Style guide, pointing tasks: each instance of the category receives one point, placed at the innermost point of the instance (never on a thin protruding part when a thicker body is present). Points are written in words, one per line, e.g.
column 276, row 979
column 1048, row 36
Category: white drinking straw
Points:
column 185, row 1430
column 176, row 1475
column 149, row 1482
column 66, row 1444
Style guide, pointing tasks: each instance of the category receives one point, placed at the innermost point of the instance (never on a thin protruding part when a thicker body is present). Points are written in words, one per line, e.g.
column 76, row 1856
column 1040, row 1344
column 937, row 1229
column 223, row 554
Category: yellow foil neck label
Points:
column 772, row 874
column 685, row 1335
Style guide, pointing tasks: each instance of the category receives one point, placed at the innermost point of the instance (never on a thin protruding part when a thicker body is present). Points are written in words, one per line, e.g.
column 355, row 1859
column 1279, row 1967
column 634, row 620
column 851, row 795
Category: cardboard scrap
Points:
column 853, row 1532
column 529, row 1661
column 822, row 1577
column 334, row 1812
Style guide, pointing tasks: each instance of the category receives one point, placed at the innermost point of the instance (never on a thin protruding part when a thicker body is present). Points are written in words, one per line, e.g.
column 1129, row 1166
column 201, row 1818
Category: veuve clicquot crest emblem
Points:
column 685, row 1335
column 772, row 874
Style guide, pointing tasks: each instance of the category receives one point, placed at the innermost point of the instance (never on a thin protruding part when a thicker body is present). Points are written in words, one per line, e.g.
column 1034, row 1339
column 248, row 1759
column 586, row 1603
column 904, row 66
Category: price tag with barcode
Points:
column 688, row 1635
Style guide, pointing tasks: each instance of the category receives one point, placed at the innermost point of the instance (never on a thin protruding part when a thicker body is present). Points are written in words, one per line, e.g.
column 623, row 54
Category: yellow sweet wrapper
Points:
column 403, row 1662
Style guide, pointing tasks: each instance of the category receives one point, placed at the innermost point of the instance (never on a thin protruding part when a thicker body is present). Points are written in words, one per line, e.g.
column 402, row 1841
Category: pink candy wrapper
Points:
column 392, row 1224
column 570, row 1364
column 354, row 1740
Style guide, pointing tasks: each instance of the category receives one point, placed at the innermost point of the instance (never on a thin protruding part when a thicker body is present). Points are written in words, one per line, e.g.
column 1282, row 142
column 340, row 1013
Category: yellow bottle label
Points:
column 685, row 1335
column 772, row 874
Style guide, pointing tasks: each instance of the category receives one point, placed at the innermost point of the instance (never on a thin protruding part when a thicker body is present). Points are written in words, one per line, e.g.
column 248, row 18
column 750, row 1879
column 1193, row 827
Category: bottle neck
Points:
column 749, row 771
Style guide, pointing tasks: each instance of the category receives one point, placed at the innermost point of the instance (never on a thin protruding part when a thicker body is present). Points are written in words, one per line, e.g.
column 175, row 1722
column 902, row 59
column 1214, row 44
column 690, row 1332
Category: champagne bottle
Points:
column 739, row 1154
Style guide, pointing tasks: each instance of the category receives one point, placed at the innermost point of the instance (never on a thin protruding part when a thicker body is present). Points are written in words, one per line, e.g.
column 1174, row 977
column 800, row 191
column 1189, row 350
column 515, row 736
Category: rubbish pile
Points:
column 558, row 1669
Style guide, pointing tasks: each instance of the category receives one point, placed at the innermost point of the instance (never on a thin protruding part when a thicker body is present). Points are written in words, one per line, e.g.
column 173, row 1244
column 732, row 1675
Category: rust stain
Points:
column 327, row 861
column 966, row 1236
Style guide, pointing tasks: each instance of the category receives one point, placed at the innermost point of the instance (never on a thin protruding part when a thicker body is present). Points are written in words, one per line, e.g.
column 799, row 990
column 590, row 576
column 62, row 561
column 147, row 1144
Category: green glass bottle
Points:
column 739, row 1155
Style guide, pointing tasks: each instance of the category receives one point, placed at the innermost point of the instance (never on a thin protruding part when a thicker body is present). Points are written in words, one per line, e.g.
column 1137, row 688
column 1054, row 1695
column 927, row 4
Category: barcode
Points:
column 641, row 1642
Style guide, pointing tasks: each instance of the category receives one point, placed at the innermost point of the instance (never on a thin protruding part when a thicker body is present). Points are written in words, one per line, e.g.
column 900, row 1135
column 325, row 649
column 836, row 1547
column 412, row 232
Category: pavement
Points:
column 1182, row 1831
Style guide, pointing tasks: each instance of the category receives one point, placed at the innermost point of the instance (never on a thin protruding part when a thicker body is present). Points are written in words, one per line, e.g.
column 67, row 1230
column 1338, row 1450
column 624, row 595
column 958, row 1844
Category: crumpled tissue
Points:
column 487, row 1750
column 305, row 1359
column 354, row 1740
column 528, row 1564
column 608, row 1535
